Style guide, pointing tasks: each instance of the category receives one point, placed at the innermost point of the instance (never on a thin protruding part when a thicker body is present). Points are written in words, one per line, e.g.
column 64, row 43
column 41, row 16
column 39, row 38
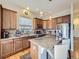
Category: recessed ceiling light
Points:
column 27, row 8
column 50, row 18
column 41, row 13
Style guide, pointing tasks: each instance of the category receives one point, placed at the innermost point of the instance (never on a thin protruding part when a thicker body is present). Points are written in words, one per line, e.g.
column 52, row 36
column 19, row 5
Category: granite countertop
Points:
column 46, row 42
column 15, row 37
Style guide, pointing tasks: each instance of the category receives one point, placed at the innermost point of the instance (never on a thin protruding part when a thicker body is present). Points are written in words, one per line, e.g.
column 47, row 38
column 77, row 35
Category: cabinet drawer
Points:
column 17, row 45
column 7, row 47
column 26, row 43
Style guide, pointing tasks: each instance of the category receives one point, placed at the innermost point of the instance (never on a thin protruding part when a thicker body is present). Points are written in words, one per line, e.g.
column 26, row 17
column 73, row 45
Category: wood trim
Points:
column 9, row 10
column 1, row 19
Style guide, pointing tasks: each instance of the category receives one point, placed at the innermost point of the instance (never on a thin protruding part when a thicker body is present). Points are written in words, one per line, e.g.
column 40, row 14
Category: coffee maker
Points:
column 5, row 34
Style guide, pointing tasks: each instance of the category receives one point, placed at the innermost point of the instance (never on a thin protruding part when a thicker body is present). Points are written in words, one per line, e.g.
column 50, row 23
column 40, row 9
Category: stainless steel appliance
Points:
column 63, row 30
column 63, row 33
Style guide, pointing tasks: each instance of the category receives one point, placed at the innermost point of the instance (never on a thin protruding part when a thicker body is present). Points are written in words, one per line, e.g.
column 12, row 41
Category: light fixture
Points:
column 41, row 13
column 28, row 8
column 50, row 18
column 26, row 12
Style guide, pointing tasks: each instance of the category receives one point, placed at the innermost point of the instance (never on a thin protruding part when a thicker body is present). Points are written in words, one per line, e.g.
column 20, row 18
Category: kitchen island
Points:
column 48, row 47
column 45, row 42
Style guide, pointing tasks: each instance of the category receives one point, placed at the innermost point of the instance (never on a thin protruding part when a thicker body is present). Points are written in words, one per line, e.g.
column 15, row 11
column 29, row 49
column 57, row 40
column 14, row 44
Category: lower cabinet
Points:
column 21, row 44
column 34, row 51
column 17, row 45
column 26, row 43
column 7, row 48
column 11, row 46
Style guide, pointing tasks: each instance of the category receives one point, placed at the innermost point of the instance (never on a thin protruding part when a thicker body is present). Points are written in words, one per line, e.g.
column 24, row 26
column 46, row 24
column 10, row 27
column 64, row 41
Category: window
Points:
column 25, row 24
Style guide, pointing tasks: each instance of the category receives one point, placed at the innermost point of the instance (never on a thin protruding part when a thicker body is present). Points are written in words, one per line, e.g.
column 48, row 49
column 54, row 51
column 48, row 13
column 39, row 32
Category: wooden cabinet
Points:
column 0, row 19
column 59, row 20
column 34, row 24
column 7, row 47
column 54, row 24
column 63, row 19
column 9, row 19
column 34, row 51
column 13, row 20
column 66, row 19
column 17, row 44
column 37, row 23
column 11, row 46
column 25, row 43
column 51, row 24
column 6, row 19
column 45, row 24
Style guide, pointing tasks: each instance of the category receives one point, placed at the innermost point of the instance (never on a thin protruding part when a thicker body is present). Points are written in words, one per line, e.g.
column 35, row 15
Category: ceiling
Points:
column 53, row 8
column 76, row 5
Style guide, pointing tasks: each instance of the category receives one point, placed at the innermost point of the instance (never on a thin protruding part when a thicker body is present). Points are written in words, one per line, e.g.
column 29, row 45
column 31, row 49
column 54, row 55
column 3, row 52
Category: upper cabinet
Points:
column 13, row 20
column 66, row 19
column 63, row 19
column 54, row 23
column 0, row 19
column 51, row 24
column 59, row 20
column 9, row 19
column 37, row 23
column 45, row 24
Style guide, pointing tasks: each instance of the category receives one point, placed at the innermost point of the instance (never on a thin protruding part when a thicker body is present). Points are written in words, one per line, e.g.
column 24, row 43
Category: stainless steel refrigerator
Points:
column 63, row 30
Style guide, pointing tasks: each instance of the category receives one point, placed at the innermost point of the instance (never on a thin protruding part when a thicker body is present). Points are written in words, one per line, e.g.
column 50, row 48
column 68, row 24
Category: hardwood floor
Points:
column 17, row 55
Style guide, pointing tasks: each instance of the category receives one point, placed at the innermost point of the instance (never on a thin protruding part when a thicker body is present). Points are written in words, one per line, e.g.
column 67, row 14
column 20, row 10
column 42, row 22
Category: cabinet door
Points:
column 45, row 24
column 7, row 47
column 9, row 19
column 6, row 19
column 54, row 24
column 49, row 24
column 0, row 20
column 13, row 20
column 17, row 44
column 66, row 19
column 37, row 23
column 59, row 20
column 34, row 51
column 34, row 24
column 26, row 43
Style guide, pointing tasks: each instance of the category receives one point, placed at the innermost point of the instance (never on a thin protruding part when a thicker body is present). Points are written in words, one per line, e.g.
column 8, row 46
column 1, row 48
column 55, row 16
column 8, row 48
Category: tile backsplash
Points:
column 11, row 33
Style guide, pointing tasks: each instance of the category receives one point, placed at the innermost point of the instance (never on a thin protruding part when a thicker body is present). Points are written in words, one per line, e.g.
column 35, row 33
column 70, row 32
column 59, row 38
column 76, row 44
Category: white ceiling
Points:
column 76, row 5
column 49, row 8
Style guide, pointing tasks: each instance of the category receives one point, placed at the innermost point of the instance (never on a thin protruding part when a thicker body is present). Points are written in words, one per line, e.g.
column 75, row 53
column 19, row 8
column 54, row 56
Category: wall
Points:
column 76, row 23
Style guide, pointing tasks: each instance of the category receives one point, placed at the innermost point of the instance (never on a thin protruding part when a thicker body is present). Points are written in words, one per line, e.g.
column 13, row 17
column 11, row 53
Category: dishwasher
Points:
column 42, row 53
